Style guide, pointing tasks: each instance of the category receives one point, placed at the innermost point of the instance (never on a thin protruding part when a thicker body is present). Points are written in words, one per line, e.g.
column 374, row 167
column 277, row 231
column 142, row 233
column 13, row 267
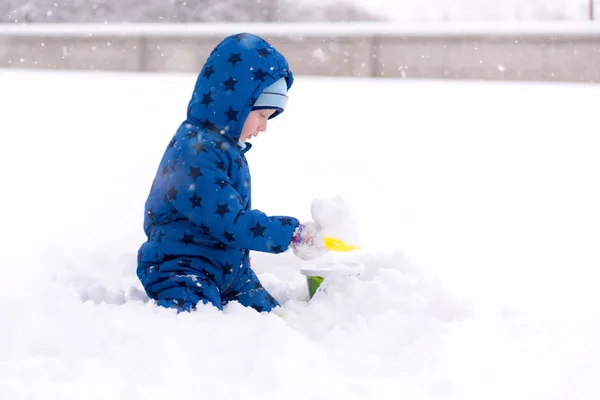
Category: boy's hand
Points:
column 306, row 242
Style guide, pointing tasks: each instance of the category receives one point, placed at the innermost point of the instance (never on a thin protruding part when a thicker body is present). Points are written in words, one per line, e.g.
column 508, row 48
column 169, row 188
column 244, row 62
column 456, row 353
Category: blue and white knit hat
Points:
column 273, row 97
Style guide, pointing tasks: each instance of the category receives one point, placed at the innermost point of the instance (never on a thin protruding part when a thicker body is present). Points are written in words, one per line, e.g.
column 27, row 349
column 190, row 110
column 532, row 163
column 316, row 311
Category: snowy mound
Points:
column 478, row 236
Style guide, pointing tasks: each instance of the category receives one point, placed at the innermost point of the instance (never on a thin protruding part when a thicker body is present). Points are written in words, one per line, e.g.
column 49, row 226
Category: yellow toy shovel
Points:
column 338, row 246
column 316, row 276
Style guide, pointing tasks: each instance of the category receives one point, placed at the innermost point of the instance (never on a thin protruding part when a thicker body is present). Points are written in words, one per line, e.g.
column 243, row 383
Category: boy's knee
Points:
column 189, row 305
column 259, row 299
column 177, row 304
column 185, row 298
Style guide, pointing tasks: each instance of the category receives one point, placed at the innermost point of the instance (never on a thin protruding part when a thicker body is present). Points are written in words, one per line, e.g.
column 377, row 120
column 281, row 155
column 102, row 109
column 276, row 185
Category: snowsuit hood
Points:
column 231, row 80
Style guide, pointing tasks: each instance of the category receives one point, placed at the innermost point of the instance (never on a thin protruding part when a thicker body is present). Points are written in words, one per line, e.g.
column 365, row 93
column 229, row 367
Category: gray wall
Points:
column 538, row 52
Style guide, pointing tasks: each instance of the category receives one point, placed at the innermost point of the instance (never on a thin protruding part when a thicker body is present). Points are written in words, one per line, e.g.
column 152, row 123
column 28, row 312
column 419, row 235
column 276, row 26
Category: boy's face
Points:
column 255, row 123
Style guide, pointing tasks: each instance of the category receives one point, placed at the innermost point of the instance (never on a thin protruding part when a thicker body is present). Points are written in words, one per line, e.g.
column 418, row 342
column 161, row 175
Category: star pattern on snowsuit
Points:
column 228, row 236
column 239, row 162
column 195, row 173
column 209, row 126
column 263, row 52
column 257, row 285
column 258, row 230
column 235, row 58
column 205, row 230
column 276, row 249
column 230, row 84
column 227, row 268
column 271, row 300
column 196, row 201
column 221, row 165
column 240, row 36
column 207, row 99
column 187, row 239
column 209, row 275
column 171, row 194
column 164, row 171
column 220, row 246
column 285, row 221
column 222, row 145
column 192, row 134
column 222, row 209
column 200, row 147
column 231, row 114
column 208, row 71
column 259, row 75
column 221, row 183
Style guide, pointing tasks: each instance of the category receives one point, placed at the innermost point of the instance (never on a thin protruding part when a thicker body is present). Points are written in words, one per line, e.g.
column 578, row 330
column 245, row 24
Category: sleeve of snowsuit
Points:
column 203, row 193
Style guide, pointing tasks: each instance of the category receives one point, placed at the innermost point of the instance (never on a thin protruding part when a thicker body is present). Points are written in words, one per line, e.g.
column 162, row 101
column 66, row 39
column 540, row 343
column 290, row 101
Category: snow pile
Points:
column 478, row 234
column 335, row 219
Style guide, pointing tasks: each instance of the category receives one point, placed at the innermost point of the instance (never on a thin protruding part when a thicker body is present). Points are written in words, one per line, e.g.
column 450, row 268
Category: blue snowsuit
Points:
column 199, row 223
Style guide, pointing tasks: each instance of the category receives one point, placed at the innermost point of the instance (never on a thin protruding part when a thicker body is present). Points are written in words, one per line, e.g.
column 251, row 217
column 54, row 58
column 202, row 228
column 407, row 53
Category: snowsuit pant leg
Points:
column 249, row 292
column 181, row 288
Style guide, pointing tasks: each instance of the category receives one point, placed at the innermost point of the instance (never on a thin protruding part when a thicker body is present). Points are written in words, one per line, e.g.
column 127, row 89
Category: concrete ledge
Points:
column 542, row 51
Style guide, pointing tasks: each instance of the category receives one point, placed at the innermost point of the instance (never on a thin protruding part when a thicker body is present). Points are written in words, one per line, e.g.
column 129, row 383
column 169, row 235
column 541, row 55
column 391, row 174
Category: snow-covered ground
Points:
column 476, row 203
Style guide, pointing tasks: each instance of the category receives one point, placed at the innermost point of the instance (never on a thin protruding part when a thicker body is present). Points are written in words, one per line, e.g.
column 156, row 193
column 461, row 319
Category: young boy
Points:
column 199, row 221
